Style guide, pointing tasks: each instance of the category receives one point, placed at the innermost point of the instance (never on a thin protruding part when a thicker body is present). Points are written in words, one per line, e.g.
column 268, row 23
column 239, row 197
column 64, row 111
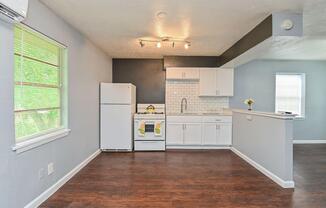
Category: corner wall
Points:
column 87, row 66
column 257, row 80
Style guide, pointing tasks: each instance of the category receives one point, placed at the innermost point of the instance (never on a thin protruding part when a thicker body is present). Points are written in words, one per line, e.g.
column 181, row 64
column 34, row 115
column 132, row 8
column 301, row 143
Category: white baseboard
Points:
column 197, row 147
column 275, row 178
column 306, row 141
column 47, row 193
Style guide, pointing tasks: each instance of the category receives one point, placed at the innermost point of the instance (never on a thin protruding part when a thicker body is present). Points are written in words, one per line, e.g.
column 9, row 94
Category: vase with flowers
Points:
column 249, row 102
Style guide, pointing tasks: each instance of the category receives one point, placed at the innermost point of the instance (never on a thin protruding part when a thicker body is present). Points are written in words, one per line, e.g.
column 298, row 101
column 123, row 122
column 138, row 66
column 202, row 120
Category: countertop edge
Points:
column 265, row 114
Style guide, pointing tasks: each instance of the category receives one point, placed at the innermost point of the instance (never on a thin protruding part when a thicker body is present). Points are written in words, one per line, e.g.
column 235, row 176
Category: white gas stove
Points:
column 149, row 127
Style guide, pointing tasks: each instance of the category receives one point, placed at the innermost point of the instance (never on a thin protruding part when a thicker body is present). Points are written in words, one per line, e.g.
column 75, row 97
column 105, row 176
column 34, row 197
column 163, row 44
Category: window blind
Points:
column 37, row 83
column 290, row 93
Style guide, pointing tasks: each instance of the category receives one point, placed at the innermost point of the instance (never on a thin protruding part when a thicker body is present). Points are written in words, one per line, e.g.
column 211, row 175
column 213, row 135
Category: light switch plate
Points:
column 50, row 168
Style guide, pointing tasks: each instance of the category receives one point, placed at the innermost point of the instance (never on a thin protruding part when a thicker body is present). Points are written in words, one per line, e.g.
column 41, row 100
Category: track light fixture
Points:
column 141, row 43
column 159, row 42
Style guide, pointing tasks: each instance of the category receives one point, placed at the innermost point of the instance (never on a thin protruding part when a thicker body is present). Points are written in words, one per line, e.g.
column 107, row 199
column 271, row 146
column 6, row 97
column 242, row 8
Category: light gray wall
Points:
column 87, row 66
column 257, row 80
column 265, row 140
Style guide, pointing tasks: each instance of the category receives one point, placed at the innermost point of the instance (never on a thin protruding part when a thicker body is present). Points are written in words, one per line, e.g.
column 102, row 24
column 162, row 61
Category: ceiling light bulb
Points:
column 187, row 45
column 161, row 15
column 158, row 44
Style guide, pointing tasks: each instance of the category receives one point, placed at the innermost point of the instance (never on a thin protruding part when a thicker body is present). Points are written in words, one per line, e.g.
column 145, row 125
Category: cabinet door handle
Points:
column 218, row 127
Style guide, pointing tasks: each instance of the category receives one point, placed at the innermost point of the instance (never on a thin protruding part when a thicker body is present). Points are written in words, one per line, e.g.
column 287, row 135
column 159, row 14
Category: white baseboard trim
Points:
column 309, row 141
column 47, row 193
column 275, row 178
column 197, row 147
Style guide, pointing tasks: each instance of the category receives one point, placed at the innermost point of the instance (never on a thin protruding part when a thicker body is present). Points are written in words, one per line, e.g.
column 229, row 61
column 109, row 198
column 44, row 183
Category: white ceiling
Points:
column 212, row 26
column 284, row 48
column 311, row 46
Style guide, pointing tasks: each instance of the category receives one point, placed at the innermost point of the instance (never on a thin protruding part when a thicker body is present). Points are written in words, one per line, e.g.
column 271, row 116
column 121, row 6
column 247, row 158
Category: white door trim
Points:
column 275, row 178
column 309, row 141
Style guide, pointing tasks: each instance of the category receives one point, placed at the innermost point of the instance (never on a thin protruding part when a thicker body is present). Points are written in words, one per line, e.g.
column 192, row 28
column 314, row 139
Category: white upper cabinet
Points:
column 216, row 82
column 182, row 73
column 207, row 82
column 224, row 82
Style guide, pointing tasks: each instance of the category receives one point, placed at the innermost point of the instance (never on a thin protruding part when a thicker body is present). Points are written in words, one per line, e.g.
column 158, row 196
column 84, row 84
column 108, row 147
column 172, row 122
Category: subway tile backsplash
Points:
column 176, row 90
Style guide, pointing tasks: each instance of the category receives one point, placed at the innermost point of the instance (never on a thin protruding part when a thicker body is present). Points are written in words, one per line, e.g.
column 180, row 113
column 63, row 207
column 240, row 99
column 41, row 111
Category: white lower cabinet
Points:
column 199, row 131
column 224, row 134
column 192, row 133
column 210, row 133
column 217, row 134
column 174, row 133
column 180, row 133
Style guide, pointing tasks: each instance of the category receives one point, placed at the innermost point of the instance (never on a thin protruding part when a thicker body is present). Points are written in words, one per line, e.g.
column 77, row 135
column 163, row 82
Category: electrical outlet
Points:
column 41, row 173
column 50, row 168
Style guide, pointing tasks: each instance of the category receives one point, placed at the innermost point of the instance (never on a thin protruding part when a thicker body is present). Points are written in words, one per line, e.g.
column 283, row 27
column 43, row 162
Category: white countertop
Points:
column 222, row 113
column 266, row 114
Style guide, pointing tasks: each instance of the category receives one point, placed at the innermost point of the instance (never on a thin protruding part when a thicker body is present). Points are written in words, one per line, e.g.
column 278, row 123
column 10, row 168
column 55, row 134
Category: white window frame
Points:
column 303, row 93
column 33, row 141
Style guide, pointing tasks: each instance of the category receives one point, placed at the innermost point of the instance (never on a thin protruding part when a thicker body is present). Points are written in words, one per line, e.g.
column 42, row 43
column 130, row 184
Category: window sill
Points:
column 41, row 140
column 299, row 118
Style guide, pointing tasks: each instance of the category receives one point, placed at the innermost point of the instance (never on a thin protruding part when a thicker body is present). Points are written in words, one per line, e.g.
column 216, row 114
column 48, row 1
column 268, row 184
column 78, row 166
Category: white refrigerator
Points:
column 118, row 105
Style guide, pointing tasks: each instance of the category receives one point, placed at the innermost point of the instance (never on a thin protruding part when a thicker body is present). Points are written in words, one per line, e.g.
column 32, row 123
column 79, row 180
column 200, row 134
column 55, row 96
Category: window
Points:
column 38, row 84
column 290, row 93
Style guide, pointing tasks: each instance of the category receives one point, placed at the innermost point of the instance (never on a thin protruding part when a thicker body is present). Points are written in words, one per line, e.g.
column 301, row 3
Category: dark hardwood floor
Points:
column 214, row 178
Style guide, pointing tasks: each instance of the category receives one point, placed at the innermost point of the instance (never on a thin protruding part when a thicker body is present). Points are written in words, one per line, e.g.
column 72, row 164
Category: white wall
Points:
column 87, row 66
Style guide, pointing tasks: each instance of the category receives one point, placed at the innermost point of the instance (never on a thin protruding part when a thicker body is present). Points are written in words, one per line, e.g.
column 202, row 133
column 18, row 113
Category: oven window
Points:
column 149, row 128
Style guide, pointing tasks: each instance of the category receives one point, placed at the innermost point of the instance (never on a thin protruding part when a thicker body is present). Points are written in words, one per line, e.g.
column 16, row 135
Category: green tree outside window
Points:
column 38, row 87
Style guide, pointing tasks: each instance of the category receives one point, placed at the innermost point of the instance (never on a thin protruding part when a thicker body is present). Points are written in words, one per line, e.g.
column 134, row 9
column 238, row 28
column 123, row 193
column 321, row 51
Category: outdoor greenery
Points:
column 36, row 73
column 37, row 84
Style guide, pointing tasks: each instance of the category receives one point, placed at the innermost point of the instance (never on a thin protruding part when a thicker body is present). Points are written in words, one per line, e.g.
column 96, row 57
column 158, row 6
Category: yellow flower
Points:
column 249, row 101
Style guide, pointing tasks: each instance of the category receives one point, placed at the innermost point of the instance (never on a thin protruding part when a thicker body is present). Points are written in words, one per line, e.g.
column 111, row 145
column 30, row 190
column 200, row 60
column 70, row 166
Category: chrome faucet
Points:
column 185, row 100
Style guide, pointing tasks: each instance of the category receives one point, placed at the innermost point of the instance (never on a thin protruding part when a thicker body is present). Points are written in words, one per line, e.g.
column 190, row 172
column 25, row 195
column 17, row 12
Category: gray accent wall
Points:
column 257, row 35
column 191, row 61
column 146, row 74
column 87, row 66
column 149, row 74
column 256, row 79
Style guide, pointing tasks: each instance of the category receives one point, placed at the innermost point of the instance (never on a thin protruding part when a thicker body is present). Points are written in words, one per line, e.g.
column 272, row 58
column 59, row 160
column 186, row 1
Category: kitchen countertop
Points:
column 224, row 113
column 266, row 114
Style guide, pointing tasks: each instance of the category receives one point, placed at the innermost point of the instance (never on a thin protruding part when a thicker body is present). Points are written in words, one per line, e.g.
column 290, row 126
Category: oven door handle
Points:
column 152, row 122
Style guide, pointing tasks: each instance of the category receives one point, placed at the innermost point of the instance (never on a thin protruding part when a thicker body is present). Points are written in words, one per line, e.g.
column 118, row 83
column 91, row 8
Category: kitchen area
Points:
column 194, row 113
column 197, row 105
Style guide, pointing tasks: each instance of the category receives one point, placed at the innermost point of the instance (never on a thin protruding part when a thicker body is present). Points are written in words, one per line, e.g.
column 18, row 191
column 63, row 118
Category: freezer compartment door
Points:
column 116, row 127
column 112, row 93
